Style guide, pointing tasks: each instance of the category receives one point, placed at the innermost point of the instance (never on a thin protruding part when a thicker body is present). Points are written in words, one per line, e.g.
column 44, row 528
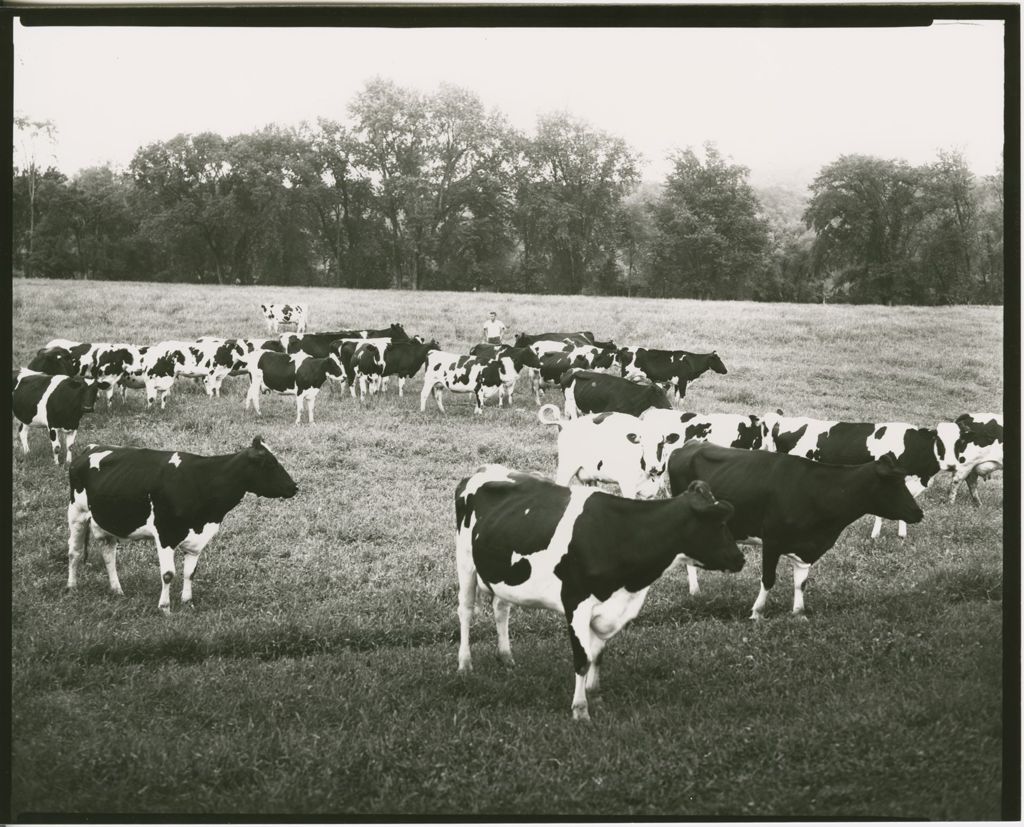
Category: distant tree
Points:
column 32, row 140
column 635, row 233
column 568, row 196
column 988, row 259
column 711, row 240
column 866, row 212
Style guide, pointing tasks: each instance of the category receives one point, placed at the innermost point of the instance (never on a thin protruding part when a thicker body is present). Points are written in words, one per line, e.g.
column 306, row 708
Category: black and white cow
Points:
column 319, row 344
column 971, row 447
column 586, row 554
column 178, row 499
column 610, row 447
column 553, row 365
column 795, row 506
column 55, row 403
column 297, row 375
column 163, row 363
column 111, row 365
column 674, row 368
column 852, row 443
column 727, row 430
column 279, row 314
column 472, row 374
column 588, row 391
column 374, row 362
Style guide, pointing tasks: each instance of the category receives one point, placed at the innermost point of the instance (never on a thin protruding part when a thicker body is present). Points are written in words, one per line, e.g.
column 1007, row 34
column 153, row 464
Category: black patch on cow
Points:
column 785, row 441
column 595, row 392
column 698, row 431
column 748, row 434
column 881, row 431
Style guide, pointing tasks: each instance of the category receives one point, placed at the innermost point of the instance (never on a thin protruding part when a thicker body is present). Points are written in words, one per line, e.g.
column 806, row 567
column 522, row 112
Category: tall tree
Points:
column 575, row 179
column 33, row 140
column 711, row 239
column 866, row 212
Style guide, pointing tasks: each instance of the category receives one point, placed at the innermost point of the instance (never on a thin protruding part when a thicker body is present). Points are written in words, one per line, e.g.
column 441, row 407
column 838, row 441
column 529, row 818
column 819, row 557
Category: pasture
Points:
column 316, row 672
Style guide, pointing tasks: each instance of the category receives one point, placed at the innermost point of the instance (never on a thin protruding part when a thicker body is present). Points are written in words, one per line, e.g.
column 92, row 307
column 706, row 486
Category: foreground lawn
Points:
column 315, row 673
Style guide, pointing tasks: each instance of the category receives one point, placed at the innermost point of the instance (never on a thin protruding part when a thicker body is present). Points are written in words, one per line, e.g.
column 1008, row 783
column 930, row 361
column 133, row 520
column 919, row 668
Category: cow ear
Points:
column 704, row 503
column 886, row 466
column 257, row 443
column 633, row 438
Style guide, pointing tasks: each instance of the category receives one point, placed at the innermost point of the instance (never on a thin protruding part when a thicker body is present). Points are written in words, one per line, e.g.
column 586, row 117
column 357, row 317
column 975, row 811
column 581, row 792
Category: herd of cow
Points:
column 691, row 485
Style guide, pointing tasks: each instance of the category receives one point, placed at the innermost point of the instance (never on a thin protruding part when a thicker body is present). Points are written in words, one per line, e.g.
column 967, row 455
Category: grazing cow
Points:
column 970, row 447
column 554, row 365
column 179, row 500
column 279, row 314
column 852, row 443
column 223, row 358
column 376, row 362
column 588, row 391
column 56, row 361
column 109, row 364
column 319, row 344
column 472, row 374
column 797, row 507
column 586, row 554
column 52, row 402
column 610, row 447
column 298, row 375
column 162, row 363
column 676, row 368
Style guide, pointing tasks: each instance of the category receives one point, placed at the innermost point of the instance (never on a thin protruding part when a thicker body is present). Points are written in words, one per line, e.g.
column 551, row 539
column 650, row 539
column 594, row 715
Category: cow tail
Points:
column 557, row 420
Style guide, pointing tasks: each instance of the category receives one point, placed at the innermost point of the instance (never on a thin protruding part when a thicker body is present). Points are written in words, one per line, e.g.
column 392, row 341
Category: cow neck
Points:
column 222, row 480
column 842, row 501
column 659, row 527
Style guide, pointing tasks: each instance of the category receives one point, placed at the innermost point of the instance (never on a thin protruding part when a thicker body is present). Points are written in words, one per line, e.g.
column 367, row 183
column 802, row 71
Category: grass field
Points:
column 315, row 673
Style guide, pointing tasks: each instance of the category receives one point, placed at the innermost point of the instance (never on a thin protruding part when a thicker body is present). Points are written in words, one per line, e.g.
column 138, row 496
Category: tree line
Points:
column 434, row 191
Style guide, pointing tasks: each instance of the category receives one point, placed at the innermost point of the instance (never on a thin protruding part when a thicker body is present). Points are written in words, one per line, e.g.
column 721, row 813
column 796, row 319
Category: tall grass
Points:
column 315, row 673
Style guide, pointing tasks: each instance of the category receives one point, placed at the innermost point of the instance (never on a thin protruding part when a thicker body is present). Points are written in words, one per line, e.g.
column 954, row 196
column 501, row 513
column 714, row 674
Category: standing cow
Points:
column 279, row 314
column 177, row 499
column 55, row 403
column 585, row 554
column 297, row 375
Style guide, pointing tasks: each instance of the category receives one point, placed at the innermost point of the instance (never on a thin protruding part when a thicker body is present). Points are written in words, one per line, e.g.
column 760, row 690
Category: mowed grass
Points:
column 316, row 672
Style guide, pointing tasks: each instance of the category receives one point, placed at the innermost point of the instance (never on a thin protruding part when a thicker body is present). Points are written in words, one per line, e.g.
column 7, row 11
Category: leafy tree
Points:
column 711, row 239
column 32, row 139
column 575, row 178
column 865, row 212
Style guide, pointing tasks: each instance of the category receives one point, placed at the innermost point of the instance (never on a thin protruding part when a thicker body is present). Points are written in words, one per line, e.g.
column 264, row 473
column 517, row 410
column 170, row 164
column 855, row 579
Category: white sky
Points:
column 783, row 102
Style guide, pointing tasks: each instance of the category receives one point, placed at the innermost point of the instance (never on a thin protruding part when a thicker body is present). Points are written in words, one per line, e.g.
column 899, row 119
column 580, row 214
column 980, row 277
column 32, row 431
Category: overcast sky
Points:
column 780, row 101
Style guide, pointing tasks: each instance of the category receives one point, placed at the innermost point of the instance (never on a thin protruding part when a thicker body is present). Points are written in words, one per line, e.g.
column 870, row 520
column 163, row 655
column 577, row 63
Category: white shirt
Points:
column 493, row 329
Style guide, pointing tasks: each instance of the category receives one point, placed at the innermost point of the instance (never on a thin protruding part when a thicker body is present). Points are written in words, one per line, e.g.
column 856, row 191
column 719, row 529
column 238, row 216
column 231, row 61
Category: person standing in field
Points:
column 493, row 329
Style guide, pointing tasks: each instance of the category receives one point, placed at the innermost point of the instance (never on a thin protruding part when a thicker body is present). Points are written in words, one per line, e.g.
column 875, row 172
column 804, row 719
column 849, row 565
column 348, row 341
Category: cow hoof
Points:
column 800, row 616
column 580, row 713
column 166, row 610
column 757, row 618
column 465, row 668
column 507, row 660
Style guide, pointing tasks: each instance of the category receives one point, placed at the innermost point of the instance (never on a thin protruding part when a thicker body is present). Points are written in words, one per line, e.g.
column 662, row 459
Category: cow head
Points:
column 709, row 543
column 264, row 475
column 521, row 340
column 715, row 363
column 523, row 358
column 890, row 498
column 90, row 390
column 56, row 361
column 652, row 459
column 397, row 332
column 334, row 367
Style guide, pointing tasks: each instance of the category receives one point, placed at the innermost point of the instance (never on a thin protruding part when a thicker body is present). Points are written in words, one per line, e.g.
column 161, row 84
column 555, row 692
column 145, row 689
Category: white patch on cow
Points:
column 619, row 609
column 97, row 458
column 543, row 588
column 39, row 418
column 195, row 542
column 892, row 440
column 175, row 460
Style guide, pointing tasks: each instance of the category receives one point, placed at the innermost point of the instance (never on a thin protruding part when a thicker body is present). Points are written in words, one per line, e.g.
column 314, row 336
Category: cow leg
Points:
column 467, row 597
column 592, row 682
column 972, row 487
column 188, row 569
column 769, row 563
column 901, row 528
column 479, row 397
column 876, row 529
column 571, row 411
column 584, row 651
column 163, row 398
column 298, row 407
column 78, row 539
column 110, row 549
column 958, row 477
column 508, row 391
column 401, row 386
column 362, row 387
column 801, row 570
column 166, row 556
column 424, row 393
column 69, row 440
column 691, row 576
column 310, row 401
column 502, row 609
column 23, row 436
column 54, row 445
column 254, row 397
column 437, row 398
